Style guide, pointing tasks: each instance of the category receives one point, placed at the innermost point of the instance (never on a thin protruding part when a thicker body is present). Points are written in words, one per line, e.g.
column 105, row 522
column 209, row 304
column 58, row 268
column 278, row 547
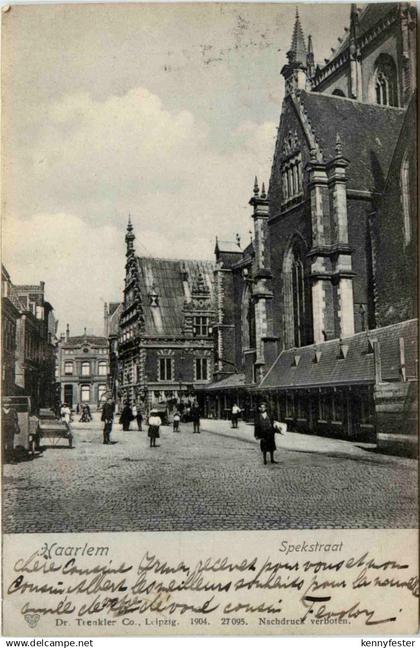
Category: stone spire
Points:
column 294, row 72
column 129, row 238
column 297, row 52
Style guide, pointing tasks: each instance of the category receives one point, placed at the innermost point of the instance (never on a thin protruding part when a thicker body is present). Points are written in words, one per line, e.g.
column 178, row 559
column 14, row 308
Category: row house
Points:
column 28, row 343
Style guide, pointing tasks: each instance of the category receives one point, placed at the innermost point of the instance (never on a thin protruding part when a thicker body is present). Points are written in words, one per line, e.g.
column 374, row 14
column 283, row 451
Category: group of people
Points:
column 154, row 421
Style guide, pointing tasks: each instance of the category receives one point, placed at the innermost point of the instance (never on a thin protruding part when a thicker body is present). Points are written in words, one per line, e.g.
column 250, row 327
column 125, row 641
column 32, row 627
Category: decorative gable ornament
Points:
column 291, row 144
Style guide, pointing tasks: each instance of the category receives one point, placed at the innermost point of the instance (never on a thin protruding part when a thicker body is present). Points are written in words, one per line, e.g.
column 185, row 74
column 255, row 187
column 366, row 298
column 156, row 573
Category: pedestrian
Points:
column 195, row 417
column 10, row 427
column 139, row 419
column 265, row 429
column 86, row 416
column 176, row 421
column 107, row 418
column 126, row 417
column 65, row 413
column 154, row 424
column 236, row 410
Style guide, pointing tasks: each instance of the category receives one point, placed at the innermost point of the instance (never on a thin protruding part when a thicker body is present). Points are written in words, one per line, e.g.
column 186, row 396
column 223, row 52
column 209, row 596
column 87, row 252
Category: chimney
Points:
column 67, row 332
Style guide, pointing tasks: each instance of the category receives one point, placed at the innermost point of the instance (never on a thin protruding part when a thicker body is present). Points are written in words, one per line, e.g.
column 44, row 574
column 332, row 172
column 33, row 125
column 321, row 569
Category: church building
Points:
column 325, row 321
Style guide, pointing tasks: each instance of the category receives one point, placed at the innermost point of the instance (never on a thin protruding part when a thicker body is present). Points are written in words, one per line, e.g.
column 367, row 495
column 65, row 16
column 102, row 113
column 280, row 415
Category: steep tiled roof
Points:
column 228, row 246
column 301, row 367
column 173, row 281
column 368, row 134
column 115, row 310
column 79, row 340
column 235, row 380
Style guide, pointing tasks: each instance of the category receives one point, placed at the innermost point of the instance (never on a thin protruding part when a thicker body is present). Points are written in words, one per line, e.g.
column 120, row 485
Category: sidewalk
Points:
column 299, row 442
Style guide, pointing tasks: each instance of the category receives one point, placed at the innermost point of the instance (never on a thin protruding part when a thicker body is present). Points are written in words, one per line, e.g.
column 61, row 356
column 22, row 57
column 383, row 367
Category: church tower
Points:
column 295, row 71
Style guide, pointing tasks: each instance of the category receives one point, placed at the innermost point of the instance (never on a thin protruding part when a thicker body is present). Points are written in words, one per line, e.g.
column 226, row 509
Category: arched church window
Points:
column 297, row 296
column 292, row 178
column 405, row 198
column 383, row 86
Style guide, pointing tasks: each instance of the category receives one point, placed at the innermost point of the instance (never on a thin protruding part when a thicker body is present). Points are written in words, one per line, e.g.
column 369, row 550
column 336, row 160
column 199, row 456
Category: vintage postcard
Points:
column 209, row 319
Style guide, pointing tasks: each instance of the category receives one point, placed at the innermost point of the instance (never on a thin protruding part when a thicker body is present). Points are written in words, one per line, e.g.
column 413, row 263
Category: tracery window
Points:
column 292, row 178
column 384, row 82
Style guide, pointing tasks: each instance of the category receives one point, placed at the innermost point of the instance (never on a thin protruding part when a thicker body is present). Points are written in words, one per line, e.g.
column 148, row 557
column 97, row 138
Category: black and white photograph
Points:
column 209, row 277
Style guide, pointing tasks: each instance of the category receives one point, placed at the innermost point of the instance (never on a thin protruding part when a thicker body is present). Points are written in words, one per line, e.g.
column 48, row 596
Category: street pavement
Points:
column 213, row 480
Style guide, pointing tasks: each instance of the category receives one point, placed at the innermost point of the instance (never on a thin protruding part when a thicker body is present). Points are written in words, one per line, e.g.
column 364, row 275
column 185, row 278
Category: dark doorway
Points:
column 68, row 395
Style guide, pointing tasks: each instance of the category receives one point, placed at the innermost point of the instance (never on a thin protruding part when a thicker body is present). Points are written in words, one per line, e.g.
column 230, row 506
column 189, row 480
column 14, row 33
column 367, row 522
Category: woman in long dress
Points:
column 154, row 424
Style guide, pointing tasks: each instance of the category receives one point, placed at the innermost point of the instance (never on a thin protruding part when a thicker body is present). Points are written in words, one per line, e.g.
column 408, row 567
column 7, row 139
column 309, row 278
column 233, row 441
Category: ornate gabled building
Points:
column 329, row 282
column 166, row 343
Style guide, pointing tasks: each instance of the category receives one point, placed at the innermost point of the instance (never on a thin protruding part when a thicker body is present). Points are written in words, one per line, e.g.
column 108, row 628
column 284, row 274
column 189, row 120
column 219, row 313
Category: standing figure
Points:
column 107, row 418
column 236, row 410
column 177, row 418
column 195, row 417
column 139, row 419
column 65, row 413
column 126, row 417
column 265, row 429
column 10, row 427
column 154, row 424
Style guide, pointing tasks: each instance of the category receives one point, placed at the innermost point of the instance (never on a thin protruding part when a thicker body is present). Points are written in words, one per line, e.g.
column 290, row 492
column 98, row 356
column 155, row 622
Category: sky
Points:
column 164, row 112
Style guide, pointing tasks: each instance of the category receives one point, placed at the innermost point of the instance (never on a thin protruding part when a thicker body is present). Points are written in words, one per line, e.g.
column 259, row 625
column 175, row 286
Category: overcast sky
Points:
column 163, row 111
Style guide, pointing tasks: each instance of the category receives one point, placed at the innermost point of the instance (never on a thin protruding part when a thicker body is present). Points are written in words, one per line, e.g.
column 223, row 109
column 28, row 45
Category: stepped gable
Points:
column 165, row 286
column 368, row 134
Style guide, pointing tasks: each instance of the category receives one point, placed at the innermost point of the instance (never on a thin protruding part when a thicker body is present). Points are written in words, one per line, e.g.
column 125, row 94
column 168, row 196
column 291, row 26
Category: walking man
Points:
column 265, row 429
column 236, row 410
column 107, row 418
column 195, row 417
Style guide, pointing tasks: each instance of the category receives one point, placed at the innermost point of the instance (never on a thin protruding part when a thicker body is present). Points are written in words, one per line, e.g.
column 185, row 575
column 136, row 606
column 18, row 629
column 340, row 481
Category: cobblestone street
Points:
column 214, row 480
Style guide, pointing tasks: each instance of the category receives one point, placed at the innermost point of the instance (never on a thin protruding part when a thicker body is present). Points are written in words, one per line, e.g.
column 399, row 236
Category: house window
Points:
column 337, row 407
column 68, row 368
column 289, row 405
column 165, row 369
column 85, row 368
column 85, row 393
column 101, row 392
column 201, row 369
column 405, row 198
column 102, row 368
column 200, row 326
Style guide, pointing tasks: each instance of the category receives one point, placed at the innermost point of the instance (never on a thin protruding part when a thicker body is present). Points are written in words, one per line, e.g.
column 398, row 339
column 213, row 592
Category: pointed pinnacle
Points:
column 256, row 187
column 263, row 194
column 129, row 225
column 338, row 145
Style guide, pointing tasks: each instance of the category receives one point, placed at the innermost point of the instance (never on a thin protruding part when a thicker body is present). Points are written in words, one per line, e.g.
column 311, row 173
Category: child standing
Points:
column 154, row 424
column 177, row 418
